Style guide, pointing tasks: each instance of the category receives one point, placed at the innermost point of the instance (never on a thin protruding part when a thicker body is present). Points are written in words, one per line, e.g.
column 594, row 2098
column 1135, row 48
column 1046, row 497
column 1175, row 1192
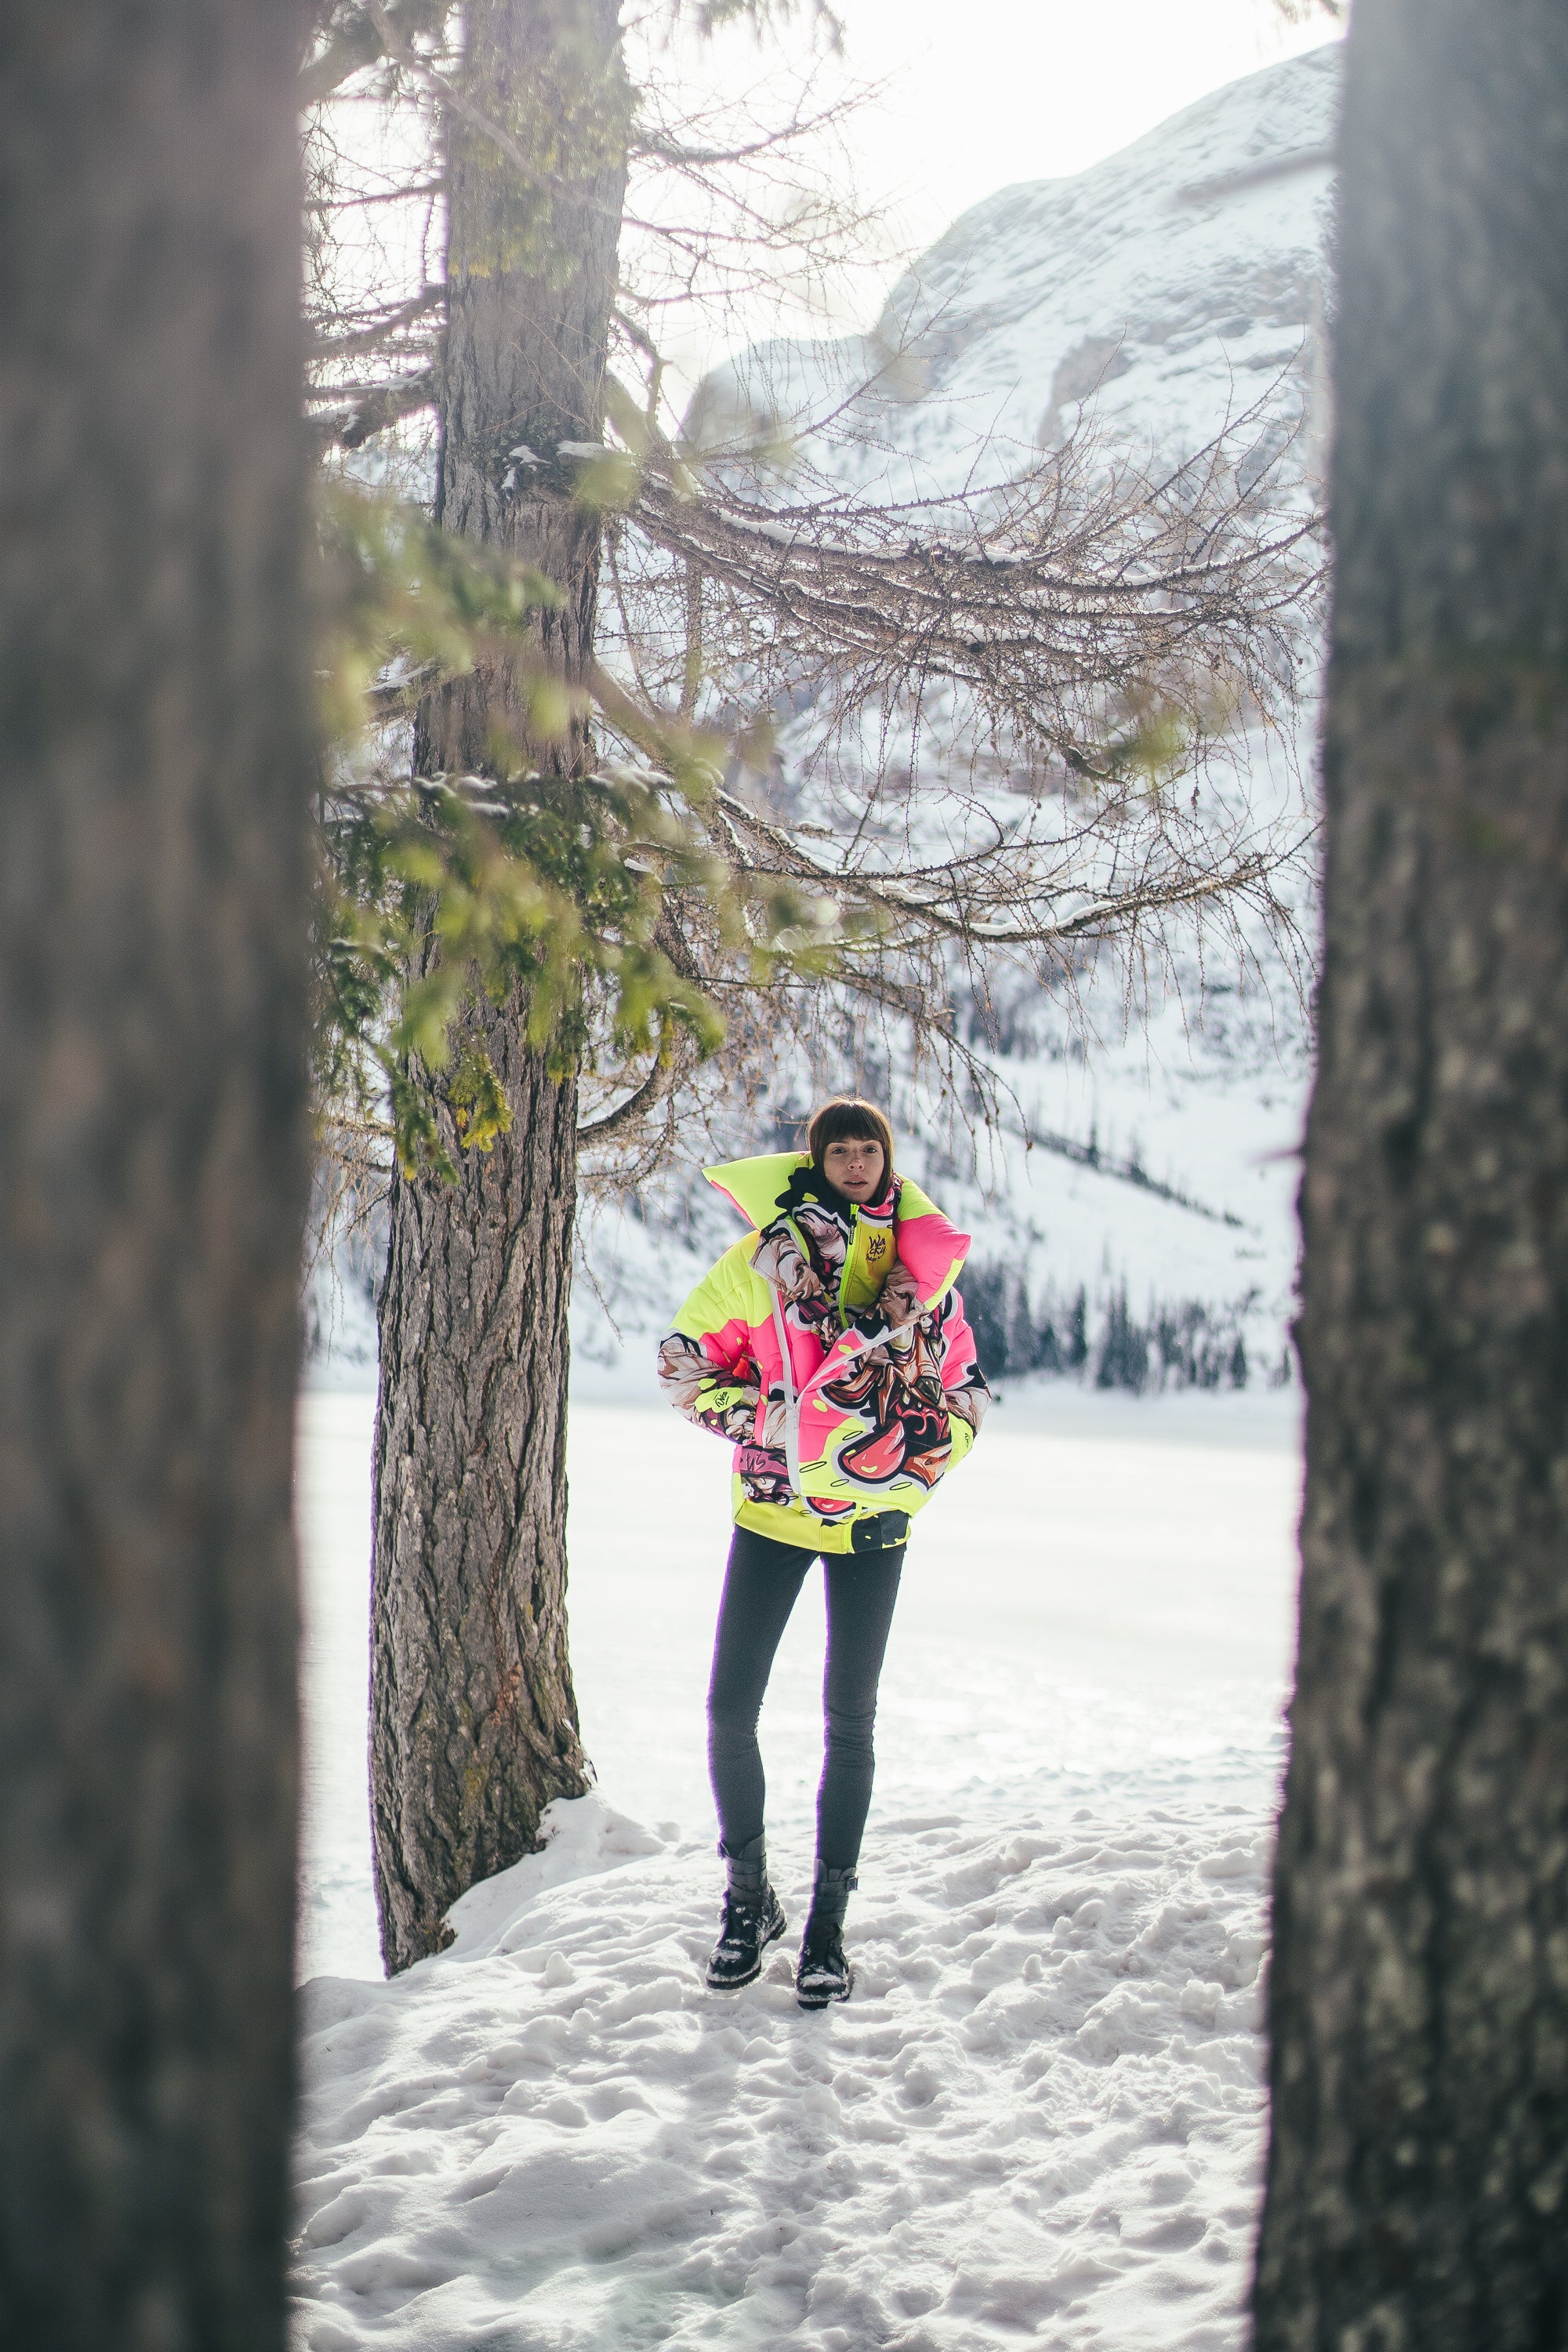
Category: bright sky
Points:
column 984, row 92
column 973, row 94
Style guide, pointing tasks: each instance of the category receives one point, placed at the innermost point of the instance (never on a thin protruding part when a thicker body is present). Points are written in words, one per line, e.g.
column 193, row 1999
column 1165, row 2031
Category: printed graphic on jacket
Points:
column 896, row 1392
column 764, row 1473
column 728, row 1408
column 686, row 1375
column 803, row 1257
column 880, row 1392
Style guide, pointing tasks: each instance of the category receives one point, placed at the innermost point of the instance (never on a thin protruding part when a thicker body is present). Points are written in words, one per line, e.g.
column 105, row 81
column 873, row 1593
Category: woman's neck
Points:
column 834, row 1199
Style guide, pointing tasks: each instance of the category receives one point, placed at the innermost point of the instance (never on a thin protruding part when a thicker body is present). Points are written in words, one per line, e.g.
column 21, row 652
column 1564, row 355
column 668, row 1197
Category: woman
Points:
column 830, row 1347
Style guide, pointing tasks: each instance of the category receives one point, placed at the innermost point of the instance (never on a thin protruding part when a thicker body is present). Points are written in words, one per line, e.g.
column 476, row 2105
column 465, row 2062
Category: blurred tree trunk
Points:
column 1419, row 2008
column 155, row 794
column 474, row 1721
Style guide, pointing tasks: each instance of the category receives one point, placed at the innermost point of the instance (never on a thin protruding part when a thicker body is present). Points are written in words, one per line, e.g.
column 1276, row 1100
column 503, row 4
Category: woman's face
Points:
column 853, row 1166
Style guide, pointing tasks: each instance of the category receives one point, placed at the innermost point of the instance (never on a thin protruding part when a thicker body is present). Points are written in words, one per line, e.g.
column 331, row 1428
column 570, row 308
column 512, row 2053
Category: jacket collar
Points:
column 762, row 1188
column 932, row 1248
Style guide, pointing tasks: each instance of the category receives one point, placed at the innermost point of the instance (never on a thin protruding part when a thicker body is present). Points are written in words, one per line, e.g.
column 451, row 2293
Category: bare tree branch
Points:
column 380, row 330
column 371, row 408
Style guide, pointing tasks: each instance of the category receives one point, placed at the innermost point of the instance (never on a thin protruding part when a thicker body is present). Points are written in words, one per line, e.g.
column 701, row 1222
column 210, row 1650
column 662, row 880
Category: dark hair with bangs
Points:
column 845, row 1117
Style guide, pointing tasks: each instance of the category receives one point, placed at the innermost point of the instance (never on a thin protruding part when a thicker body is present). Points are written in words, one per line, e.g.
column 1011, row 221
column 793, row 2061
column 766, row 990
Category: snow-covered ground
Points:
column 1040, row 2117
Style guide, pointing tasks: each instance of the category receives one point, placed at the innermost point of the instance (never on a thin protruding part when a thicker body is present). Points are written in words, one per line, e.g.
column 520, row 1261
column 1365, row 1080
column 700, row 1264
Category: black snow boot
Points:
column 824, row 1974
column 754, row 1918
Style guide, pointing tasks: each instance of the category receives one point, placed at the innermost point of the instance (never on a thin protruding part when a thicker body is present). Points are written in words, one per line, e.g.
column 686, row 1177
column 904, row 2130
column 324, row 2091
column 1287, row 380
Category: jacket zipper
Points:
column 792, row 1403
column 844, row 1274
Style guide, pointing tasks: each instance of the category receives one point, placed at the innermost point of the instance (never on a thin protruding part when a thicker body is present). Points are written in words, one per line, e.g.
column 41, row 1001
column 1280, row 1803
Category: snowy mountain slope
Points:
column 1194, row 1275
column 1172, row 289
column 1170, row 294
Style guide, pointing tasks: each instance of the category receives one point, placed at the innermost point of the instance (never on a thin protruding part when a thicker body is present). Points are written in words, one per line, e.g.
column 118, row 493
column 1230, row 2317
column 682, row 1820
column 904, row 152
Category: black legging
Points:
column 761, row 1586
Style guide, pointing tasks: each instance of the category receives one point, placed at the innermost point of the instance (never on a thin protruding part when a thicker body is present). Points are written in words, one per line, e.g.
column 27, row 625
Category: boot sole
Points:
column 739, row 1984
column 825, row 2000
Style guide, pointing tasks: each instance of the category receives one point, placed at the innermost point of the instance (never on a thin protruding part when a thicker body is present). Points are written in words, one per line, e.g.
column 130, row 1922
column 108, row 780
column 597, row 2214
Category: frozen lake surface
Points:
column 1040, row 2117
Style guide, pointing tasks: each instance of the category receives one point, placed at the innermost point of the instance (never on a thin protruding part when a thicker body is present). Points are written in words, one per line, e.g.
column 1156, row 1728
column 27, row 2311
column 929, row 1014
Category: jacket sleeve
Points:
column 964, row 1392
column 706, row 1368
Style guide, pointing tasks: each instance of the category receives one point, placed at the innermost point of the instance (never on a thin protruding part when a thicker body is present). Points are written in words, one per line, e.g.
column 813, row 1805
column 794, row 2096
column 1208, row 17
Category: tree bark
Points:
column 1419, row 2008
column 474, row 1720
column 155, row 770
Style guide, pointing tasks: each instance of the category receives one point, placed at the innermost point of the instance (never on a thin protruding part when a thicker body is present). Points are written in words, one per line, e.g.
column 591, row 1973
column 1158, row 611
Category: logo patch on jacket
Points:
column 875, row 1247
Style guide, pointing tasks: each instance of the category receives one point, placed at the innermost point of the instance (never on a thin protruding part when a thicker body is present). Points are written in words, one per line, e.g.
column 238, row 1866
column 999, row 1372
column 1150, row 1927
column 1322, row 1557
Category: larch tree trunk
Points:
column 155, row 771
column 1418, row 2168
column 474, row 1721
